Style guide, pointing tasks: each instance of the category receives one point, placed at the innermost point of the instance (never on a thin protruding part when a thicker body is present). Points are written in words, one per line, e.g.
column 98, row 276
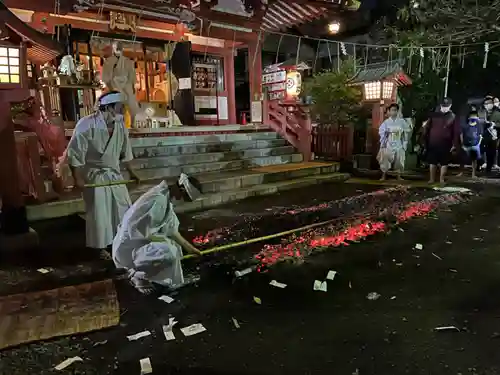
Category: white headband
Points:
column 112, row 98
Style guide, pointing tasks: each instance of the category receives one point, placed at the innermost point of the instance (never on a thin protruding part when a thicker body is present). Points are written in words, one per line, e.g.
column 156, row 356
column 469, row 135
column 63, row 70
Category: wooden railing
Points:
column 292, row 121
column 332, row 142
column 39, row 145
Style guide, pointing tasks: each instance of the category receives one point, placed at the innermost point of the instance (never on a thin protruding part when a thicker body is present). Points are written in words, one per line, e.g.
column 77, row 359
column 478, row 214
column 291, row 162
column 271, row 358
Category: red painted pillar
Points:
column 372, row 136
column 255, row 69
column 13, row 216
column 230, row 86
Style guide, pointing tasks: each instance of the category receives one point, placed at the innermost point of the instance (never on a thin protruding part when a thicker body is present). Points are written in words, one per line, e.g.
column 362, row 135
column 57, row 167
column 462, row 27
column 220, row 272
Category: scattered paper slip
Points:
column 146, row 367
column 43, row 270
column 331, row 275
column 449, row 242
column 257, row 300
column 321, row 286
column 67, row 362
column 419, row 246
column 277, row 284
column 235, row 322
column 393, row 297
column 166, row 299
column 168, row 329
column 193, row 329
column 447, row 328
column 243, row 272
column 373, row 296
column 437, row 256
column 483, row 230
column 139, row 335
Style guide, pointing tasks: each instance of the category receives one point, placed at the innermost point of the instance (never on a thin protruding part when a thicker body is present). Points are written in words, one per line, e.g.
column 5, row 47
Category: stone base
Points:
column 362, row 161
column 18, row 242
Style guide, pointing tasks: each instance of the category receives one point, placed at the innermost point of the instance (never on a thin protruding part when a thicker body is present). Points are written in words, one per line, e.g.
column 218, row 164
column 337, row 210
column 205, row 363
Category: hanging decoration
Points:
column 343, row 49
column 486, row 50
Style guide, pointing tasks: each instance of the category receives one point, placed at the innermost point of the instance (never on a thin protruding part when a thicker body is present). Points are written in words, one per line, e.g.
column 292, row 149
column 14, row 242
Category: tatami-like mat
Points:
column 58, row 312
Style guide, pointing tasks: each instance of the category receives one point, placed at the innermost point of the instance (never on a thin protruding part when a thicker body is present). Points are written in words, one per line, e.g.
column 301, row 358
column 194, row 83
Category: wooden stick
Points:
column 112, row 183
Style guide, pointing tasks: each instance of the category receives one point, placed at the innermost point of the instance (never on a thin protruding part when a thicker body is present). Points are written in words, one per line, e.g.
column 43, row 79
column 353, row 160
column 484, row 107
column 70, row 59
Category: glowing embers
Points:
column 424, row 207
column 309, row 241
column 290, row 217
column 299, row 247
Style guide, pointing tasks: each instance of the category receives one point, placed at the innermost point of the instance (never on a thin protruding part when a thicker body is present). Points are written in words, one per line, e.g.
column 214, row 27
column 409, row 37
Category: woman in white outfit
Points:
column 394, row 134
column 148, row 243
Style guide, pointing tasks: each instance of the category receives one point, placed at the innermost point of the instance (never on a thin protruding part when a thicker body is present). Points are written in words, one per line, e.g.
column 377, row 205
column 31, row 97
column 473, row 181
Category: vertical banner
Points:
column 181, row 68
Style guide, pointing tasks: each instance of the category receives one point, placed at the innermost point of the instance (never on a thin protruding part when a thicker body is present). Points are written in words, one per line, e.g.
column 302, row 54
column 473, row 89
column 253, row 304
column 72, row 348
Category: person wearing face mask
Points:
column 98, row 145
column 471, row 138
column 442, row 137
column 490, row 116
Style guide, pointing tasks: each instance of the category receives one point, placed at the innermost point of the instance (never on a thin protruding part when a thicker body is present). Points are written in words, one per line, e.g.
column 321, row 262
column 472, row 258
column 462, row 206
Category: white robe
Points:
column 152, row 215
column 393, row 142
column 100, row 154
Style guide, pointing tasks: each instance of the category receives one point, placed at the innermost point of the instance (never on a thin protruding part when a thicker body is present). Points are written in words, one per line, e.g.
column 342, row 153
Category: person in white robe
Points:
column 394, row 135
column 148, row 243
column 100, row 142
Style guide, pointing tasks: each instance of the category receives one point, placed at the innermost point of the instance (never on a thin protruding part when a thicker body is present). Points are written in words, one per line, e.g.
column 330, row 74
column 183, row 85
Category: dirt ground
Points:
column 453, row 281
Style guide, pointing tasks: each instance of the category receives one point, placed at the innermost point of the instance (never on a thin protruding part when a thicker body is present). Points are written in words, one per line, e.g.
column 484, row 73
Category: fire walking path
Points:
column 419, row 297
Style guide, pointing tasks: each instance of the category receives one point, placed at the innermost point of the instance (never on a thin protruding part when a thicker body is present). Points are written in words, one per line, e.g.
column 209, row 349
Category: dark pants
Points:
column 439, row 154
column 490, row 150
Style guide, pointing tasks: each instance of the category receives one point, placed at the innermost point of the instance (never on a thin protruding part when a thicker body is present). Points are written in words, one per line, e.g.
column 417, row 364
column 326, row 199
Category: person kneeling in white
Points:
column 148, row 243
column 98, row 145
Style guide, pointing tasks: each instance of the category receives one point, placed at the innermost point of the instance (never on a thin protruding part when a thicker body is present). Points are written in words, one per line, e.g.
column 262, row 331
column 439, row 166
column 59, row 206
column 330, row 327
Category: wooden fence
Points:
column 332, row 142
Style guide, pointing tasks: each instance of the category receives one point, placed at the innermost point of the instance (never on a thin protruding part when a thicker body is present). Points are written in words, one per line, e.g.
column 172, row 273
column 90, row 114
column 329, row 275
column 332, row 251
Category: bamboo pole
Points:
column 260, row 239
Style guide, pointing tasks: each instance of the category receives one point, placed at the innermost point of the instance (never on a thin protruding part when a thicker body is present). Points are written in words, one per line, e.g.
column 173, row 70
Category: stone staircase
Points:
column 229, row 166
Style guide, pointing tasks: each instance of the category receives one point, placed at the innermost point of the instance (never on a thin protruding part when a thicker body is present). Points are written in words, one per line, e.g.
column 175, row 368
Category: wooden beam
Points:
column 320, row 4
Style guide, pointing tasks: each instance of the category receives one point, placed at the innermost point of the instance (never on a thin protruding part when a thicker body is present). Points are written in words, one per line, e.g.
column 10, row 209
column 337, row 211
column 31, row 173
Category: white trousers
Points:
column 388, row 157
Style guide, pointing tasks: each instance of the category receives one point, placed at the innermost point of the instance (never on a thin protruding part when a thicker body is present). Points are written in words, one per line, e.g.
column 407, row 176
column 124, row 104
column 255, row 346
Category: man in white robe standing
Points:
column 148, row 243
column 394, row 135
column 100, row 142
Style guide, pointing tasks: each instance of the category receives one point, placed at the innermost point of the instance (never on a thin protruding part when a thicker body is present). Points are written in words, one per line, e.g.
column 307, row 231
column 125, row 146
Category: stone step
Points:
column 193, row 169
column 212, row 157
column 201, row 139
column 226, row 187
column 189, row 149
column 214, row 182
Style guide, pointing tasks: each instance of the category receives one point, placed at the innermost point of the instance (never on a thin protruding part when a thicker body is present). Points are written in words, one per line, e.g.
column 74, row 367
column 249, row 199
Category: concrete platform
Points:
column 218, row 187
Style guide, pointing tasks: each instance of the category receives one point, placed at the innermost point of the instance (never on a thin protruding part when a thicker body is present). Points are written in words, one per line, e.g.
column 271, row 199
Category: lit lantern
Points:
column 379, row 90
column 10, row 65
column 293, row 84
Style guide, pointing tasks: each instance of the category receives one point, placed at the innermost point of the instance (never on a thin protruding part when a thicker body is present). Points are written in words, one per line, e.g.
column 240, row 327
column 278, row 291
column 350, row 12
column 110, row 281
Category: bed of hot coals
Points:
column 343, row 232
column 280, row 219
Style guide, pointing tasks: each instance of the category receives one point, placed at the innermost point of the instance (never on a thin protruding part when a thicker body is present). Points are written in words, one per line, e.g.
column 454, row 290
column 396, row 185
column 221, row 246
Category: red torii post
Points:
column 13, row 218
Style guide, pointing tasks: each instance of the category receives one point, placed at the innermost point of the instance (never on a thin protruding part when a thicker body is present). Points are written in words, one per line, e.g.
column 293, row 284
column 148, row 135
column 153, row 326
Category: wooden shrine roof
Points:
column 41, row 48
column 283, row 14
column 383, row 71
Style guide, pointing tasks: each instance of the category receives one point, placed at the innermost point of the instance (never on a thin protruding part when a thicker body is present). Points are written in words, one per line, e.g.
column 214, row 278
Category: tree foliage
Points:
column 334, row 100
column 440, row 22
